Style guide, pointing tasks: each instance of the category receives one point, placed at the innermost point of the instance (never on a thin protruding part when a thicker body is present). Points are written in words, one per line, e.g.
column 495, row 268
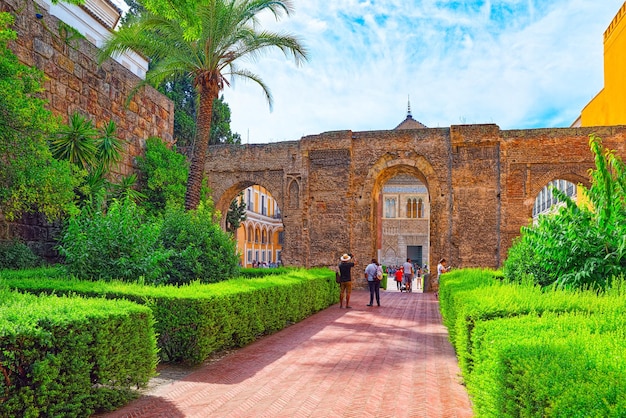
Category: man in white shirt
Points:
column 408, row 274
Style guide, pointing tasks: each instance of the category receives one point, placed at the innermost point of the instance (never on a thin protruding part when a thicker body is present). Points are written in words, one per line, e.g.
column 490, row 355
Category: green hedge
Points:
column 567, row 365
column 195, row 320
column 525, row 352
column 472, row 296
column 71, row 357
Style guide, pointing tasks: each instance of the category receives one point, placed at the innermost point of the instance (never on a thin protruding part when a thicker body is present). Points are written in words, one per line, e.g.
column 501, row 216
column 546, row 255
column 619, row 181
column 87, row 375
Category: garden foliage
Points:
column 31, row 180
column 17, row 255
column 195, row 320
column 72, row 357
column 122, row 243
column 533, row 352
column 163, row 176
column 581, row 246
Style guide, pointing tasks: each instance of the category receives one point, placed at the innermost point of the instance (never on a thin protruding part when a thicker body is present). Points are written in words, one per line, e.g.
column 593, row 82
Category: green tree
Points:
column 236, row 214
column 204, row 40
column 580, row 246
column 31, row 180
column 163, row 176
column 220, row 125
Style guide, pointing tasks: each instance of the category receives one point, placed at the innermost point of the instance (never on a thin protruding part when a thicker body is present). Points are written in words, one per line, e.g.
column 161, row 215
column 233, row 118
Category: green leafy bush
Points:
column 578, row 247
column 31, row 180
column 116, row 244
column 122, row 244
column 163, row 176
column 17, row 255
column 198, row 248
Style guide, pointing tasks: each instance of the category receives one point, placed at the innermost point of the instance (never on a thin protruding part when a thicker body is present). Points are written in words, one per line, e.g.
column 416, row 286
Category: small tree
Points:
column 578, row 246
column 236, row 214
column 163, row 176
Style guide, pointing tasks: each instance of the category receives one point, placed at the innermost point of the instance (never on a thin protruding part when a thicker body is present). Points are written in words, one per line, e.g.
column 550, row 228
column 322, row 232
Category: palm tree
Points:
column 203, row 40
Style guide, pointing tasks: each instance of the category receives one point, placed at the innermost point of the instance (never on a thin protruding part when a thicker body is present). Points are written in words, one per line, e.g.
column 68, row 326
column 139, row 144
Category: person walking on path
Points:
column 408, row 274
column 345, row 283
column 371, row 274
column 399, row 276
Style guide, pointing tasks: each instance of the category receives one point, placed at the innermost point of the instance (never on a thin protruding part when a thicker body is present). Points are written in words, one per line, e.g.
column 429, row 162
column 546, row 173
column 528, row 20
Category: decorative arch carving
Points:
column 293, row 193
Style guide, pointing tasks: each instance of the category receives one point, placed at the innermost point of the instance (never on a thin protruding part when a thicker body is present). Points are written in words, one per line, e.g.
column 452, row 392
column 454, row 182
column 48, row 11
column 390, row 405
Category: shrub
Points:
column 578, row 247
column 117, row 244
column 163, row 176
column 71, row 357
column 554, row 365
column 199, row 249
column 17, row 255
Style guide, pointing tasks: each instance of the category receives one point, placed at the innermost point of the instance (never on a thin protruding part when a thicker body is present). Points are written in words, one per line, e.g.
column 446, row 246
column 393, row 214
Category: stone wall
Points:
column 75, row 83
column 482, row 183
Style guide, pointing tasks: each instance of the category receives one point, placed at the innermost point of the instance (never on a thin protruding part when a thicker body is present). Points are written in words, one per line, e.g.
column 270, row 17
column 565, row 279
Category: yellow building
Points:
column 260, row 236
column 609, row 106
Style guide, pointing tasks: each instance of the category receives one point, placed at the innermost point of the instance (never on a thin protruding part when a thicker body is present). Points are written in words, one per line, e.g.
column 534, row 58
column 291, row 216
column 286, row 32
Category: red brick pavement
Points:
column 389, row 361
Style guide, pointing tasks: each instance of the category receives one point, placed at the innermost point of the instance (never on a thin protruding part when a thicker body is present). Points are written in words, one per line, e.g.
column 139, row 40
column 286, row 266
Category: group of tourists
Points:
column 403, row 275
column 373, row 274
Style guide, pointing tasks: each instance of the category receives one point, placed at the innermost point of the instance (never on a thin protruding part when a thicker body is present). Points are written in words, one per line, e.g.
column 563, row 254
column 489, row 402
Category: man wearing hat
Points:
column 345, row 271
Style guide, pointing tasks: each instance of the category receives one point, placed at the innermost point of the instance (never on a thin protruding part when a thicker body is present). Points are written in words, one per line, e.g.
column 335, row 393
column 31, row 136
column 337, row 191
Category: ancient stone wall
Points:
column 75, row 83
column 482, row 184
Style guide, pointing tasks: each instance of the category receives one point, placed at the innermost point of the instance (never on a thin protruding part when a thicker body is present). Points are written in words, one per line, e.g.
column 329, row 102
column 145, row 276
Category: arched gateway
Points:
column 481, row 185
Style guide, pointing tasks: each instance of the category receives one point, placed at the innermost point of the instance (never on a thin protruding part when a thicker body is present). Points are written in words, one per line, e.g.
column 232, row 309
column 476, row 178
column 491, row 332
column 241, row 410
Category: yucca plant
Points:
column 77, row 142
column 109, row 146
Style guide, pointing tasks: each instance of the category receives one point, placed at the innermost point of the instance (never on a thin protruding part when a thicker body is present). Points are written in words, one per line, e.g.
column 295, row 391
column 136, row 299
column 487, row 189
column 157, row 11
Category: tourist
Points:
column 408, row 274
column 371, row 273
column 399, row 276
column 442, row 267
column 345, row 283
column 419, row 278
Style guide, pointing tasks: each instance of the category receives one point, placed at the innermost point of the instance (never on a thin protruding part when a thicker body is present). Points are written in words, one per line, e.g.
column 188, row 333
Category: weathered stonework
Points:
column 75, row 82
column 482, row 184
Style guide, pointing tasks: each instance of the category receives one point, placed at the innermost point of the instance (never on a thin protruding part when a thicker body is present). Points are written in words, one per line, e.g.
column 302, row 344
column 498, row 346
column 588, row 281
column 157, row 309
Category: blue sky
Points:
column 515, row 63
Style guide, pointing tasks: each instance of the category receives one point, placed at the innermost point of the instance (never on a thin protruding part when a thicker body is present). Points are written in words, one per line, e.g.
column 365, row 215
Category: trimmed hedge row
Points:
column 71, row 357
column 195, row 320
column 556, row 365
column 524, row 352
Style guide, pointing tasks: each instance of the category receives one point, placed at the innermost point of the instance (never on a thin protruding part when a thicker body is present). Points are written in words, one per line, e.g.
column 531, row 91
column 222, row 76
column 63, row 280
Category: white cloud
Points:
column 516, row 63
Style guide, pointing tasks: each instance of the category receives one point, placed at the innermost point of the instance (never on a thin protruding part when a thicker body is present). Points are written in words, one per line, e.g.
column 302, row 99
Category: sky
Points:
column 516, row 63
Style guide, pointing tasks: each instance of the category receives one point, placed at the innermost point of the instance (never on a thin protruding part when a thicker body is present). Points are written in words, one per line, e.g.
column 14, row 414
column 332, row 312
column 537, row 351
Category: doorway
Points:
column 414, row 252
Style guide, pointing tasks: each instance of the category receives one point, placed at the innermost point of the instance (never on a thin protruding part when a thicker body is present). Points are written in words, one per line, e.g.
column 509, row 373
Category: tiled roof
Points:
column 410, row 123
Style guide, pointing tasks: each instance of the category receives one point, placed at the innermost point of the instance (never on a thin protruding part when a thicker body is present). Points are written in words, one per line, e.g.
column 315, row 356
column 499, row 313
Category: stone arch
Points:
column 222, row 200
column 541, row 181
column 391, row 165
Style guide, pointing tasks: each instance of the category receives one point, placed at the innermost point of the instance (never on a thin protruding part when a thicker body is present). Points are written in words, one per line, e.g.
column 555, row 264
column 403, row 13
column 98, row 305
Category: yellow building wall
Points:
column 248, row 242
column 609, row 106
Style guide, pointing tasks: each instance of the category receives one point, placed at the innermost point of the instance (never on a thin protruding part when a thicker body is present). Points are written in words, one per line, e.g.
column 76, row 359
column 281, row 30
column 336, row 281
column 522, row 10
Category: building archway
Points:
column 261, row 247
column 406, row 236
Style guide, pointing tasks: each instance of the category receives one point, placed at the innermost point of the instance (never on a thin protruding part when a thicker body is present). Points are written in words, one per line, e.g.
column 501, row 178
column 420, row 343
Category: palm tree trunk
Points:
column 207, row 94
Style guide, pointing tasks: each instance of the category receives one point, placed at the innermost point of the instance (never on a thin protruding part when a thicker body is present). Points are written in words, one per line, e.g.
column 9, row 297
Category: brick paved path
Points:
column 389, row 361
